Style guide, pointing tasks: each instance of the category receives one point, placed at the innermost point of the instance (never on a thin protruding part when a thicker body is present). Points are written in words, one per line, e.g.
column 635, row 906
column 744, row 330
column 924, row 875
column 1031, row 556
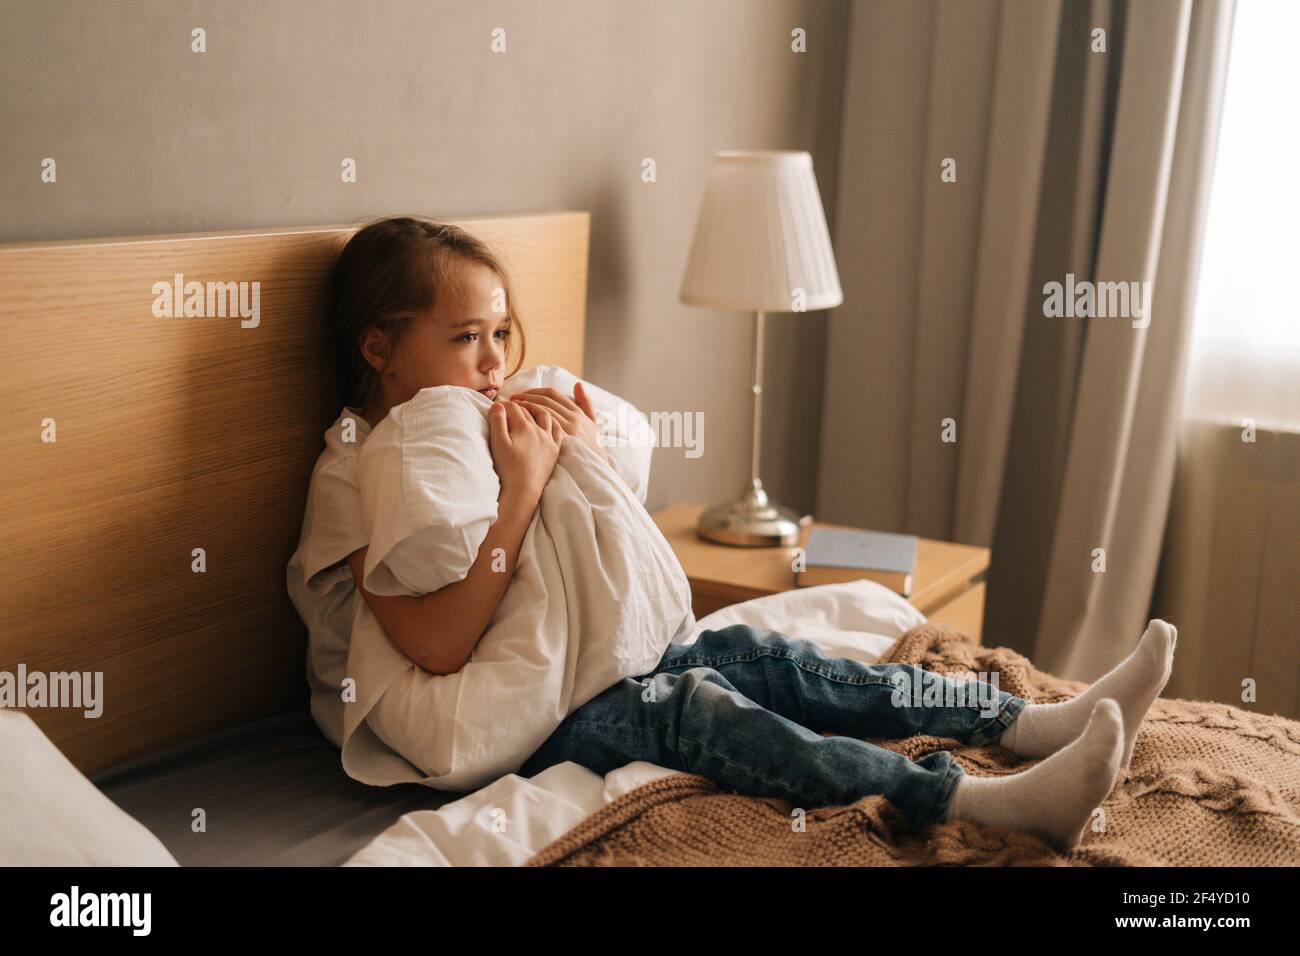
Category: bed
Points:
column 155, row 475
column 152, row 455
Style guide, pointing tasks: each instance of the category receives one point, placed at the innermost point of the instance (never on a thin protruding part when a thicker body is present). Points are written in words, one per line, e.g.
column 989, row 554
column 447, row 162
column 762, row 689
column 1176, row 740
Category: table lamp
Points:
column 761, row 245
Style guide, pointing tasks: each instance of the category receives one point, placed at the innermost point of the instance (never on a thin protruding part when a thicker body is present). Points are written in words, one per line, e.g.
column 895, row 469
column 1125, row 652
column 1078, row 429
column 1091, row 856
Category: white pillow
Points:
column 429, row 490
column 432, row 494
column 596, row 595
column 859, row 619
column 51, row 815
column 622, row 428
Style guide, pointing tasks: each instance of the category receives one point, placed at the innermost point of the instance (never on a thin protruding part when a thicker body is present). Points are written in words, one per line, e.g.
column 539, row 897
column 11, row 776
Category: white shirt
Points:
column 318, row 578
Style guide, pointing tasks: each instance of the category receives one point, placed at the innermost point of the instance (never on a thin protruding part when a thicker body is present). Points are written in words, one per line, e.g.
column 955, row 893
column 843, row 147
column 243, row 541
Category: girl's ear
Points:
column 376, row 347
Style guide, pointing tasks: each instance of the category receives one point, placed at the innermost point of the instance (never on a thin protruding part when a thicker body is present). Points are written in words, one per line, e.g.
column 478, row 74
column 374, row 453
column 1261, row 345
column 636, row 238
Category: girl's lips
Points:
column 489, row 392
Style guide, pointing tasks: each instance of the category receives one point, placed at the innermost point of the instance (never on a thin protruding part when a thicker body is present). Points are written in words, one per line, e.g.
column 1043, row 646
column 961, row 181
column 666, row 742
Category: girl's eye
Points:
column 469, row 336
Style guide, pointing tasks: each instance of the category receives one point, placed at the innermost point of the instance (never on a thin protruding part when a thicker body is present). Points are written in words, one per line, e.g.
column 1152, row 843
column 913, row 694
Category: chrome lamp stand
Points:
column 753, row 520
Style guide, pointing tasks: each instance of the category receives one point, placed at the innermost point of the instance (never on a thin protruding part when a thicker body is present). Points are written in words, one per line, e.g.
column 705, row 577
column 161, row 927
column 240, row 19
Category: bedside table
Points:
column 948, row 587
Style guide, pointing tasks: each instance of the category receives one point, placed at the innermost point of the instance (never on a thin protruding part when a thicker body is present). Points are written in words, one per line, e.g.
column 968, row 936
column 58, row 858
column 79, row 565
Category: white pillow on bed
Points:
column 859, row 619
column 52, row 815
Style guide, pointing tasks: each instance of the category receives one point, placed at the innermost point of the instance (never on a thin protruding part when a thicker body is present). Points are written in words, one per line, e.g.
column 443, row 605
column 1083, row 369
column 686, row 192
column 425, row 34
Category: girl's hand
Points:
column 576, row 415
column 524, row 449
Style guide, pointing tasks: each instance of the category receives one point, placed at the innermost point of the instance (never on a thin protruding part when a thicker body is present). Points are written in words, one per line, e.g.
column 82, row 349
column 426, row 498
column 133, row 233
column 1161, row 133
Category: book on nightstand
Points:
column 835, row 555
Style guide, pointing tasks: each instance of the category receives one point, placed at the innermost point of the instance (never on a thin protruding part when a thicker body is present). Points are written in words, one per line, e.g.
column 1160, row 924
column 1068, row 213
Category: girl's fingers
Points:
column 566, row 421
column 518, row 418
column 497, row 420
column 532, row 413
column 583, row 400
column 565, row 414
column 559, row 398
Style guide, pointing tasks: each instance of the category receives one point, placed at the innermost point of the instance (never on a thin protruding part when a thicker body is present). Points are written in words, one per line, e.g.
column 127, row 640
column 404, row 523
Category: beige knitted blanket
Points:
column 1209, row 785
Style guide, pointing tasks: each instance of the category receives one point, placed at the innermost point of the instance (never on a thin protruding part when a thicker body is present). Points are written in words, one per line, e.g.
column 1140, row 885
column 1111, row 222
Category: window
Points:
column 1245, row 352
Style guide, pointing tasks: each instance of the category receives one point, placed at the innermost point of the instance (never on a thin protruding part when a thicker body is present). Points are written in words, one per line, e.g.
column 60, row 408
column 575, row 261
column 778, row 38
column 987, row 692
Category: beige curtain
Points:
column 1068, row 161
column 1231, row 559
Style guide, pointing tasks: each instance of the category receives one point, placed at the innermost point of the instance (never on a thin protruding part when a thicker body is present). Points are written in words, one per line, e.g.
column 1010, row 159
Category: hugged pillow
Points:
column 428, row 491
column 623, row 430
column 432, row 493
column 596, row 595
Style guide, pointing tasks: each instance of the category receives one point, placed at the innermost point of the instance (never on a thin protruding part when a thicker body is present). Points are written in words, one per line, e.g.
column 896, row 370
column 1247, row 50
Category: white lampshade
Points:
column 761, row 235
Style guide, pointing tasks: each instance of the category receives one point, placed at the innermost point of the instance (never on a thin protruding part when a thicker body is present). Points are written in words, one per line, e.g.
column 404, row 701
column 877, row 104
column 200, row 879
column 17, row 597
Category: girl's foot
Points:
column 1055, row 798
column 1042, row 729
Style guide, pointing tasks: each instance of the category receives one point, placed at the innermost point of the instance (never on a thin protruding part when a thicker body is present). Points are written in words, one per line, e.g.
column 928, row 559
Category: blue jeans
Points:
column 745, row 707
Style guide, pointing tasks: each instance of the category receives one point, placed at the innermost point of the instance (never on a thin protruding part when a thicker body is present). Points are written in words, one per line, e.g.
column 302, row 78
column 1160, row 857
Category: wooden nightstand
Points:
column 948, row 586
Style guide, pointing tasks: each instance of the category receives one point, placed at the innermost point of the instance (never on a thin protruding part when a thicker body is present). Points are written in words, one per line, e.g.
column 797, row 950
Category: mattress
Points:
column 272, row 793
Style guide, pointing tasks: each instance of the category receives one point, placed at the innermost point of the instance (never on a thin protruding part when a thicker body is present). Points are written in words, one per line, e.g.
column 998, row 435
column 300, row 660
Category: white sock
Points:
column 1042, row 729
column 1054, row 799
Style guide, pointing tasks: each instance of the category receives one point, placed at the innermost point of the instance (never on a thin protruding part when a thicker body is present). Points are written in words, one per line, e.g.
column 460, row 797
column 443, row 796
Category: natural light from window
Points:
column 1245, row 358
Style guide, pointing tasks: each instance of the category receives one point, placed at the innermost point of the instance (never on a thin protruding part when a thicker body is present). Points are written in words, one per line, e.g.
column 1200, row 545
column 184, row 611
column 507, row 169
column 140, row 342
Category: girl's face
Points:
column 461, row 342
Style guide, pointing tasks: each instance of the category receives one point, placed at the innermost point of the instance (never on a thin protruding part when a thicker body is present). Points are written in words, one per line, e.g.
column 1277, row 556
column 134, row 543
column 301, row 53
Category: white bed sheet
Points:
column 512, row 819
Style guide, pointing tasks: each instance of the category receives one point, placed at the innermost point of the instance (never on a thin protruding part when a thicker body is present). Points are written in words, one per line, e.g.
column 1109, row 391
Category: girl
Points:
column 411, row 308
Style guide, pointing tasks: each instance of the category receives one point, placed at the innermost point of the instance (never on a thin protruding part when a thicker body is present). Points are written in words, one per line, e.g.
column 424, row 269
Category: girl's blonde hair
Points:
column 390, row 271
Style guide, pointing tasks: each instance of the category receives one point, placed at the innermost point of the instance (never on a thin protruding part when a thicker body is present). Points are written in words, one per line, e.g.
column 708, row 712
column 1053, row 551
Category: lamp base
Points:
column 752, row 521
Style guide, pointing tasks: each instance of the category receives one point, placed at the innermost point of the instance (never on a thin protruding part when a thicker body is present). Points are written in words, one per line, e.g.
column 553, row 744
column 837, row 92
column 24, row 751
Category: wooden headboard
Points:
column 172, row 434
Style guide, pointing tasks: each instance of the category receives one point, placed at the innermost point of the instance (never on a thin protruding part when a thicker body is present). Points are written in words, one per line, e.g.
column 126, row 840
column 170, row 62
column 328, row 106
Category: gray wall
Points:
column 152, row 138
